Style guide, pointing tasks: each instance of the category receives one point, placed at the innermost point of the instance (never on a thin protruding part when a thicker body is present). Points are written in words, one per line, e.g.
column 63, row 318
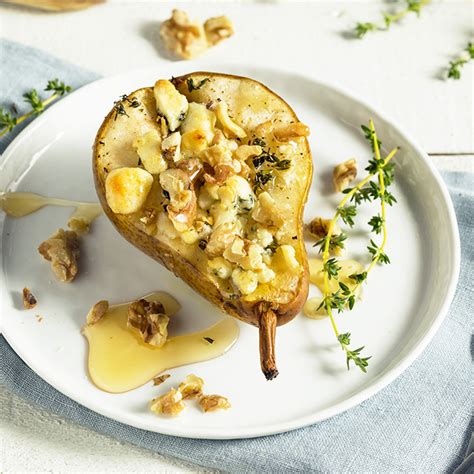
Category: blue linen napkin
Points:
column 420, row 423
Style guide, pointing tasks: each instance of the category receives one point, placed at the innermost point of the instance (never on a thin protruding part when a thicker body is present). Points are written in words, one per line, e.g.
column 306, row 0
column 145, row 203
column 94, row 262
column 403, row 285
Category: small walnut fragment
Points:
column 291, row 132
column 160, row 379
column 149, row 318
column 191, row 387
column 79, row 225
column 62, row 250
column 170, row 404
column 97, row 311
column 149, row 216
column 29, row 300
column 217, row 29
column 213, row 403
column 344, row 174
column 188, row 39
column 319, row 227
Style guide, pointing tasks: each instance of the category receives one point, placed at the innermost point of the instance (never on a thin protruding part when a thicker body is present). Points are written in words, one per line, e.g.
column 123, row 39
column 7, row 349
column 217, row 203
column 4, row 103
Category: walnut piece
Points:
column 188, row 39
column 150, row 320
column 344, row 174
column 96, row 312
column 213, row 403
column 191, row 387
column 319, row 227
column 78, row 225
column 62, row 250
column 183, row 37
column 170, row 404
column 217, row 29
column 160, row 379
column 29, row 300
column 149, row 216
column 291, row 131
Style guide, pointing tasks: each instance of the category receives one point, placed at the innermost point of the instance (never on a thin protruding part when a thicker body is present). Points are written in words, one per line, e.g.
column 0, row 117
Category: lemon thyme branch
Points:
column 8, row 120
column 415, row 6
column 345, row 296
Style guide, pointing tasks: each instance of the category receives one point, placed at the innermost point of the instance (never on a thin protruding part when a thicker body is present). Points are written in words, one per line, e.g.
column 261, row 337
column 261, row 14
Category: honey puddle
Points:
column 120, row 361
column 19, row 204
column 348, row 267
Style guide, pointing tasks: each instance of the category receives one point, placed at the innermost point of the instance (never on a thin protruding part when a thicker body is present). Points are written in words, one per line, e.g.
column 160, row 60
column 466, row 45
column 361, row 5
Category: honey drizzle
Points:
column 20, row 204
column 120, row 361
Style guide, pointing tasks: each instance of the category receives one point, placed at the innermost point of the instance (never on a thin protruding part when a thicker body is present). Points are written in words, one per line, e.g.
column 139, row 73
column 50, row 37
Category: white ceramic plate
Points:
column 402, row 306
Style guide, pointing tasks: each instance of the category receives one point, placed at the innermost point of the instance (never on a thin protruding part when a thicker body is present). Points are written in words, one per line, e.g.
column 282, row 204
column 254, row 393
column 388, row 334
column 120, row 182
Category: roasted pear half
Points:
column 208, row 174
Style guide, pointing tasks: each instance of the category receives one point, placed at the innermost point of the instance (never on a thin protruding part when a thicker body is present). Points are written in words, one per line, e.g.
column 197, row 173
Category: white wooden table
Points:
column 398, row 71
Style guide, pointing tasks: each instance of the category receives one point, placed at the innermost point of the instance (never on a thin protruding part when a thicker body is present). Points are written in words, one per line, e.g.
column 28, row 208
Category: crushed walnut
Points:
column 97, row 311
column 170, row 404
column 291, row 132
column 149, row 318
column 191, row 387
column 344, row 174
column 62, row 250
column 217, row 29
column 319, row 227
column 213, row 403
column 188, row 39
column 160, row 379
column 149, row 216
column 29, row 300
column 78, row 225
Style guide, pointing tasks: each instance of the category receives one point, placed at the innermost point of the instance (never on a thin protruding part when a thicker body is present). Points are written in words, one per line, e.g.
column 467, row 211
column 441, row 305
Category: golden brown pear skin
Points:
column 112, row 149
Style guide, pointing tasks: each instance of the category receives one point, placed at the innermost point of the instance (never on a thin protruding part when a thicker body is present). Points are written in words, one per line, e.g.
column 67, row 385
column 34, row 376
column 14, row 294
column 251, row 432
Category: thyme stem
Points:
column 325, row 253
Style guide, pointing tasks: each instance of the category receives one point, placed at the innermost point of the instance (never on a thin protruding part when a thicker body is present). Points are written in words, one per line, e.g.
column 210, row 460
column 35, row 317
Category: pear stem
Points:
column 267, row 329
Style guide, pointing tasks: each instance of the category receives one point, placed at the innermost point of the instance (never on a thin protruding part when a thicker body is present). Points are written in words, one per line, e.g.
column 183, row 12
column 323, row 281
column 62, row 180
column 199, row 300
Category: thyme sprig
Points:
column 9, row 120
column 194, row 86
column 119, row 105
column 454, row 71
column 411, row 6
column 270, row 160
column 367, row 190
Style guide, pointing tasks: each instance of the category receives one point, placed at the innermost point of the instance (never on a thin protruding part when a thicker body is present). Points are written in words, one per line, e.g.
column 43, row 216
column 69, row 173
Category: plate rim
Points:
column 353, row 400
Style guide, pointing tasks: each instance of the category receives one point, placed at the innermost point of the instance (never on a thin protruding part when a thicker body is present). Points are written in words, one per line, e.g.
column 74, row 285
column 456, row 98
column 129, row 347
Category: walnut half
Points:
column 184, row 38
column 150, row 320
column 344, row 174
column 62, row 250
column 188, row 39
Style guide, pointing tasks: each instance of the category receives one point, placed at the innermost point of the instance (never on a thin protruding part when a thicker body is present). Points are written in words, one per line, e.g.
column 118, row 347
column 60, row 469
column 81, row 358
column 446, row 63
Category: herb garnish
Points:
column 366, row 190
column 119, row 105
column 272, row 248
column 193, row 86
column 209, row 340
column 454, row 71
column 259, row 142
column 9, row 120
column 262, row 178
column 415, row 6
